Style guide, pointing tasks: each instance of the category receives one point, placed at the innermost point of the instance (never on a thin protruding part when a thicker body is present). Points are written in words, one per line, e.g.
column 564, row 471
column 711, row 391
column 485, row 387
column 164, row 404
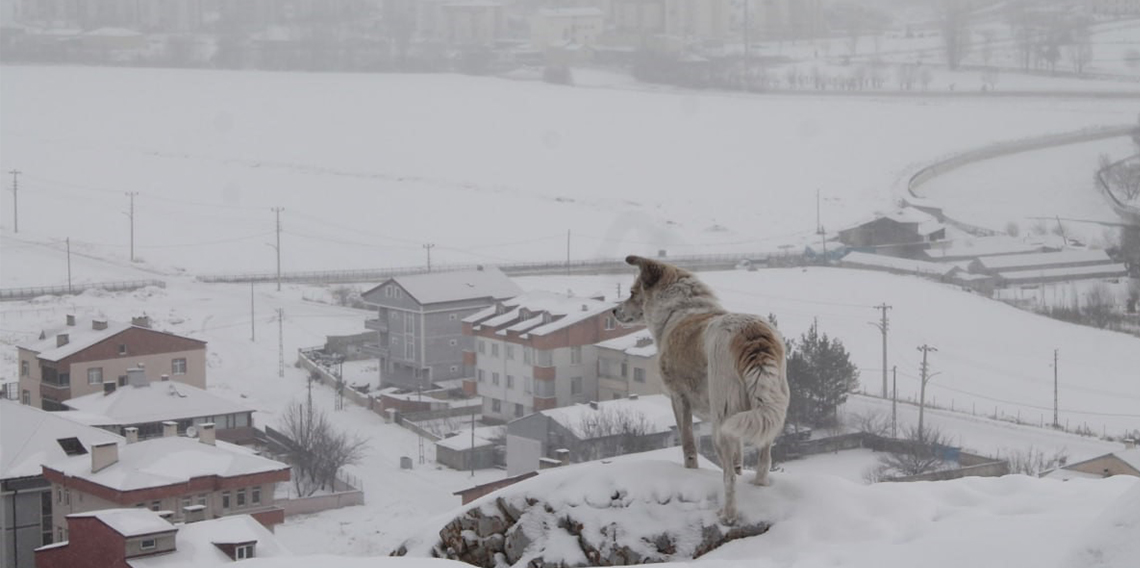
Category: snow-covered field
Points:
column 371, row 167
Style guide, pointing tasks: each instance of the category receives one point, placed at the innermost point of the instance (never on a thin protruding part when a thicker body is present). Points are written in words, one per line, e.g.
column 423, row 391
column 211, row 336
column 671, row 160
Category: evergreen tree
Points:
column 820, row 374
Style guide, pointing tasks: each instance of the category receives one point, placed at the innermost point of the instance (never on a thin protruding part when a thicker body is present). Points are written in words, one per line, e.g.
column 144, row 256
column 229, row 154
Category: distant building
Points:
column 465, row 451
column 558, row 27
column 1123, row 462
column 146, row 406
column 779, row 19
column 536, row 351
column 86, row 356
column 906, row 233
column 669, row 25
column 602, row 429
column 1039, row 268
column 1115, row 7
column 627, row 366
column 30, row 438
column 191, row 479
column 419, row 330
column 965, row 250
column 140, row 538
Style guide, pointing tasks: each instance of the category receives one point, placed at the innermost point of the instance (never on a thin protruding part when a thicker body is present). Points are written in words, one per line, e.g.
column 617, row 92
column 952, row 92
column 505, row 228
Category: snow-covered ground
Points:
column 371, row 167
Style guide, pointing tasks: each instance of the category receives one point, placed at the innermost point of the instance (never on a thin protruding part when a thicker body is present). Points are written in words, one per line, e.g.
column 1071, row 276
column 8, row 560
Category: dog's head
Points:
column 653, row 277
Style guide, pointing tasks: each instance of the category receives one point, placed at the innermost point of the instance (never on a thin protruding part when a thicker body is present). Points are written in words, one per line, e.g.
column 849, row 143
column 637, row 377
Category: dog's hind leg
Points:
column 729, row 451
column 683, row 413
column 763, row 465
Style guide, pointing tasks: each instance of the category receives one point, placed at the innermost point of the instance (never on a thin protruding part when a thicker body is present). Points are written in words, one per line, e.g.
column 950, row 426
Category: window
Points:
column 518, row 410
column 410, row 350
column 186, row 502
column 496, row 405
column 544, row 389
column 479, row 373
column 511, row 352
column 638, row 375
column 395, row 340
column 241, row 497
column 66, row 496
column 409, row 324
column 59, row 495
column 495, row 379
column 528, row 355
column 26, row 397
column 155, row 505
column 575, row 355
column 243, row 551
column 225, row 499
column 481, row 346
column 624, row 369
column 387, row 291
column 575, row 385
column 95, row 375
column 255, row 495
column 494, row 349
column 178, row 366
column 122, row 349
column 147, row 544
column 202, row 499
column 25, row 369
column 510, row 381
column 528, row 385
column 610, row 324
column 452, row 317
column 45, row 517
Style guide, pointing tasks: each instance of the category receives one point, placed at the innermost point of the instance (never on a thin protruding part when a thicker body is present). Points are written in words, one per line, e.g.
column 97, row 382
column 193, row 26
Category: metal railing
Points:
column 13, row 294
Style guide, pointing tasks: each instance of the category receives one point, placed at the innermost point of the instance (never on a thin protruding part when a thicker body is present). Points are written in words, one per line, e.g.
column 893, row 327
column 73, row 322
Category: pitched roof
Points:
column 81, row 336
column 1069, row 272
column 28, row 437
column 159, row 462
column 981, row 246
column 629, row 344
column 130, row 522
column 439, row 287
column 1028, row 261
column 195, row 543
column 656, row 409
column 1130, row 457
column 154, row 402
column 856, row 258
column 564, row 311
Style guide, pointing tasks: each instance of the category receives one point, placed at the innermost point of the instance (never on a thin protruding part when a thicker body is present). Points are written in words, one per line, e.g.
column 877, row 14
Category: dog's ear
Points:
column 651, row 270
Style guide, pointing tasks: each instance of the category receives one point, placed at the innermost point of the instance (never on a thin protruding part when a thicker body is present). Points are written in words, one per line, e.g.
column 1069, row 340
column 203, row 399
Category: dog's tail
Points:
column 754, row 353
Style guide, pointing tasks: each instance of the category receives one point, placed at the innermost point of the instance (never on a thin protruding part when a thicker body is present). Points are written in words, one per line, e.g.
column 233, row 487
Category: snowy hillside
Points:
column 352, row 157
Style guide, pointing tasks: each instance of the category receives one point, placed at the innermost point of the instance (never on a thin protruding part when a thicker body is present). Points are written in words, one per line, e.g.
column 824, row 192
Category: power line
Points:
column 428, row 247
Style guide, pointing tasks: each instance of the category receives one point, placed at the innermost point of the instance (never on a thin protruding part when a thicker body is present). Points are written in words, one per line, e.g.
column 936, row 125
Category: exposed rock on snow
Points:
column 597, row 514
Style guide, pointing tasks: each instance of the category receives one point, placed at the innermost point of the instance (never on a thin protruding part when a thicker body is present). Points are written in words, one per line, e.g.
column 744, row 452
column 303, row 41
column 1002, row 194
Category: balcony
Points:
column 377, row 324
column 376, row 350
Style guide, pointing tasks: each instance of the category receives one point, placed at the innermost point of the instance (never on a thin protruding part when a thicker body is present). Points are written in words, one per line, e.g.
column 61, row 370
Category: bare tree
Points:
column 1033, row 461
column 871, row 422
column 1080, row 51
column 916, row 455
column 1099, row 306
column 987, row 52
column 954, row 17
column 1122, row 178
column 926, row 77
column 612, row 432
column 318, row 449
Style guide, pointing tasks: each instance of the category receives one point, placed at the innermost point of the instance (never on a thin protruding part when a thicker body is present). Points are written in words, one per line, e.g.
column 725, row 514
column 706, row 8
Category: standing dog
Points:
column 724, row 367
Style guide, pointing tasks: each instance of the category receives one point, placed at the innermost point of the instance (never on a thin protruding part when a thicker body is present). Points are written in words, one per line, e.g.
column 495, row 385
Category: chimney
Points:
column 633, row 396
column 585, row 308
column 103, row 456
column 193, row 513
column 169, row 429
column 132, row 434
column 644, row 341
column 109, row 388
column 70, row 319
column 206, row 433
column 136, row 377
column 165, row 378
column 61, row 340
column 141, row 321
column 594, row 404
column 1129, row 444
column 98, row 325
column 563, row 456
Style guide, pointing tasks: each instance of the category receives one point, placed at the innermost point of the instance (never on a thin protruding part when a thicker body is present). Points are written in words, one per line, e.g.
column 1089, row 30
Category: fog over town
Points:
column 429, row 283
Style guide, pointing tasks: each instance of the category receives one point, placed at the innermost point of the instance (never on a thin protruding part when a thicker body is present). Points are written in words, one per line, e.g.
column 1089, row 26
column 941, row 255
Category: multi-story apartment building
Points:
column 419, row 329
column 85, row 355
column 627, row 366
column 29, row 438
column 536, row 351
column 191, row 479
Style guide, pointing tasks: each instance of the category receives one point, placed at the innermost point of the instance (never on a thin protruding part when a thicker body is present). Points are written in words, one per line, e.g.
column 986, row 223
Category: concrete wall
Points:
column 317, row 503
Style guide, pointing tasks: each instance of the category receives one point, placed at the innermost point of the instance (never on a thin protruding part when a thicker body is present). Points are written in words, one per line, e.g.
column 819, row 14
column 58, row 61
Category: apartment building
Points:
column 536, row 351
column 419, row 329
column 188, row 479
column 627, row 366
column 84, row 356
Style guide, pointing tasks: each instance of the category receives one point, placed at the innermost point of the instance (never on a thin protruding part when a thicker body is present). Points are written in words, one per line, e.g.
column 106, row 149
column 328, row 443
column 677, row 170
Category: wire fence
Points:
column 14, row 294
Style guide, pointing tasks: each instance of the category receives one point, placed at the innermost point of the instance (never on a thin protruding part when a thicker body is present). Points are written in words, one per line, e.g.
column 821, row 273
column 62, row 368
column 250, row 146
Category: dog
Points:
column 726, row 368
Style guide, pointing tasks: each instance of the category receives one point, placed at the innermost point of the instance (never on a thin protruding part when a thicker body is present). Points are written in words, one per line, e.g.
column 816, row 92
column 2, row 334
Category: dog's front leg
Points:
column 683, row 413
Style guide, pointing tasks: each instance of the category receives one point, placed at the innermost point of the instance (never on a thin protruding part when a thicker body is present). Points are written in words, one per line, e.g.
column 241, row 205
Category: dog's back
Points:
column 748, row 387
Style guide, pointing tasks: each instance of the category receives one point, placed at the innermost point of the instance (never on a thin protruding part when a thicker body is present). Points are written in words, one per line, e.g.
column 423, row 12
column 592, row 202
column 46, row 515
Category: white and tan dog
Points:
column 724, row 367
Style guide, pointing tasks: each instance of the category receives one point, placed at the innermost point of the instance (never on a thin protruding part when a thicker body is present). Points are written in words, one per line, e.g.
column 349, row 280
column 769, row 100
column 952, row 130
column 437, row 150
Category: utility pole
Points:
column 278, row 211
column 428, row 247
column 15, row 199
column 568, row 252
column 747, row 45
column 68, row 240
column 472, row 444
column 280, row 342
column 819, row 230
column 895, row 402
column 131, row 216
column 419, row 437
column 252, row 327
column 883, row 325
column 1056, row 421
column 926, row 376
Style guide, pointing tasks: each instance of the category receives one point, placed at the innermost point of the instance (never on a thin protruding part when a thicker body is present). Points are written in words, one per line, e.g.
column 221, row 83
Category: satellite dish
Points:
column 191, row 432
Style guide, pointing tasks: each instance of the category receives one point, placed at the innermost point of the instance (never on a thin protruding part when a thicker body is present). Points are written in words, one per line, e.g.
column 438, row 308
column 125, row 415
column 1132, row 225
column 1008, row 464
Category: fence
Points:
column 13, row 294
column 318, row 503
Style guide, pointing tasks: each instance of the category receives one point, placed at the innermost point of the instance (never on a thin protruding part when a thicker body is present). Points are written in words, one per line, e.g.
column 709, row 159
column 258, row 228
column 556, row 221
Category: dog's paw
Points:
column 761, row 481
column 727, row 517
column 691, row 462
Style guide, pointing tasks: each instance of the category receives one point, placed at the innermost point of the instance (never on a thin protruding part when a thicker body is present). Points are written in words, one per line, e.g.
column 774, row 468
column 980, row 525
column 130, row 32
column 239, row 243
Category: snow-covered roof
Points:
column 981, row 246
column 159, row 462
column 29, row 437
column 130, row 522
column 564, row 310
column 438, row 287
column 856, row 258
column 195, row 543
column 1095, row 271
column 1024, row 261
column 925, row 222
column 657, row 410
column 484, row 436
column 570, row 12
column 154, row 402
column 629, row 344
column 79, row 337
